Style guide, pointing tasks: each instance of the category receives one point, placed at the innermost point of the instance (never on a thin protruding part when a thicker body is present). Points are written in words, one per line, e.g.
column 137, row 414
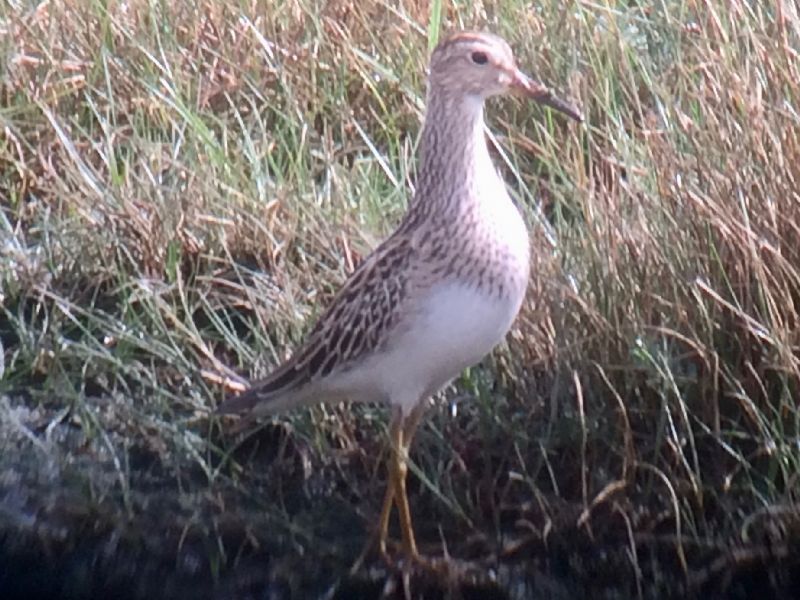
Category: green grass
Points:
column 183, row 186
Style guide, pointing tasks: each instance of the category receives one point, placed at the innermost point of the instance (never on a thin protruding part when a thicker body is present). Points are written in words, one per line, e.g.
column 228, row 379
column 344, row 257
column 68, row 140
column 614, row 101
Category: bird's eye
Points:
column 480, row 58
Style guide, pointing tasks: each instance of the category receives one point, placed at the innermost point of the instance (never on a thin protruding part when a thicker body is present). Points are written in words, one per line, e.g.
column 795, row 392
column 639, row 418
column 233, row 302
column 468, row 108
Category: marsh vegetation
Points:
column 183, row 186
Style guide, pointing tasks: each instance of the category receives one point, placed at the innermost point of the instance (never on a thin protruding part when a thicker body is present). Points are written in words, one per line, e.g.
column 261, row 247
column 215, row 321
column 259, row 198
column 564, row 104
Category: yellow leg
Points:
column 400, row 467
column 401, row 432
column 396, row 489
column 412, row 422
column 388, row 497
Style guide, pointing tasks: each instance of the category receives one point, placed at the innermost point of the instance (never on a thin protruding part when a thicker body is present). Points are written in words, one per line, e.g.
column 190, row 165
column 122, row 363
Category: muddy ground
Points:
column 287, row 528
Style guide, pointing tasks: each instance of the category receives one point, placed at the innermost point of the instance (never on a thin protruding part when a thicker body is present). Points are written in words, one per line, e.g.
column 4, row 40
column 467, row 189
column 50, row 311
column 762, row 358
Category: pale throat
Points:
column 482, row 180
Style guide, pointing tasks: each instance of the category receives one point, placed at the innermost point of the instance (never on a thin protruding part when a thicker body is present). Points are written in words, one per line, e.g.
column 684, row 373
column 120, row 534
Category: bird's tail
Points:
column 261, row 399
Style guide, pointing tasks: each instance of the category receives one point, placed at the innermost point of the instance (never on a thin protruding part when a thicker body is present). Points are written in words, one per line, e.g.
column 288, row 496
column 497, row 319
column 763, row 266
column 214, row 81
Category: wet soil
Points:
column 77, row 522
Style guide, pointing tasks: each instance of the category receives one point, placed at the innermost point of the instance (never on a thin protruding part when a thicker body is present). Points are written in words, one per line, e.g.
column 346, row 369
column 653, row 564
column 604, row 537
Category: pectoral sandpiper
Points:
column 442, row 290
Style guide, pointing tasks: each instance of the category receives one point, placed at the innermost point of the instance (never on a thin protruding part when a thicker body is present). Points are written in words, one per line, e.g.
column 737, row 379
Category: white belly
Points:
column 455, row 327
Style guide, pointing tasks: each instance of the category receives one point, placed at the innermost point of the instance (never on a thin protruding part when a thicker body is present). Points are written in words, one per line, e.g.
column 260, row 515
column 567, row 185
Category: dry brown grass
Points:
column 183, row 185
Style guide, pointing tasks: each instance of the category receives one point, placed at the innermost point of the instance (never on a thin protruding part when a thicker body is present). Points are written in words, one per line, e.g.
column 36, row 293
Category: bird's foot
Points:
column 442, row 567
column 420, row 570
column 398, row 558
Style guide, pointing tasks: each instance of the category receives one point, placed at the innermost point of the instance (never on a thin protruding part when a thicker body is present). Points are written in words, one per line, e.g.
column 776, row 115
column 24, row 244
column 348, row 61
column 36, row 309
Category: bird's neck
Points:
column 454, row 156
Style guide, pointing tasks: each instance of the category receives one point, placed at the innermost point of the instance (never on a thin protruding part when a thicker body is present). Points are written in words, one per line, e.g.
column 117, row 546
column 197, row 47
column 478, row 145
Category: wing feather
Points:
column 354, row 325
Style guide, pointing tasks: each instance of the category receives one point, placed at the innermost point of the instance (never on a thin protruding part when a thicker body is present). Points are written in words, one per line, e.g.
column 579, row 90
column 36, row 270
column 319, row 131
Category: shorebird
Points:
column 438, row 294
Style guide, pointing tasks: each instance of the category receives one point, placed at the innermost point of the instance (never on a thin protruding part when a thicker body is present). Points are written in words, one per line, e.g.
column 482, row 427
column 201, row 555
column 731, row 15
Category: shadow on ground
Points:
column 74, row 523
